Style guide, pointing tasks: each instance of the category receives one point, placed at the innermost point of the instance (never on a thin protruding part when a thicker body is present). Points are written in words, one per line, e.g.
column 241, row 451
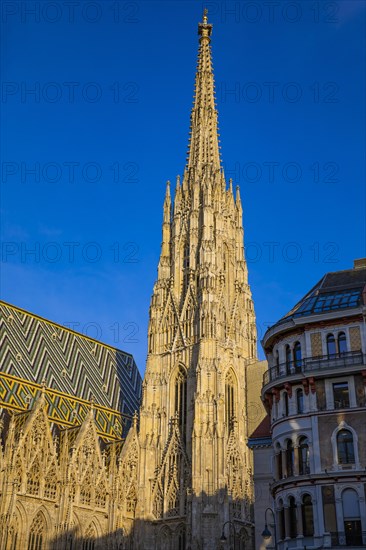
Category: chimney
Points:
column 359, row 264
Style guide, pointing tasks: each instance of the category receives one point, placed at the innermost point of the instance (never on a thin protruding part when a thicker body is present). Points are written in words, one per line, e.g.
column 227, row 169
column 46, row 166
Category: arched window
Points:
column 33, row 478
column 288, row 359
column 37, row 533
column 285, row 403
column 292, row 514
column 230, row 405
column 279, row 463
column 300, row 401
column 331, row 345
column 290, row 458
column 180, row 400
column 351, row 517
column 186, row 270
column 13, row 535
column 181, row 538
column 277, row 363
column 345, row 447
column 281, row 521
column 89, row 538
column 307, row 516
column 165, row 539
column 342, row 342
column 50, row 486
column 101, row 495
column 86, row 490
column 297, row 356
column 304, row 457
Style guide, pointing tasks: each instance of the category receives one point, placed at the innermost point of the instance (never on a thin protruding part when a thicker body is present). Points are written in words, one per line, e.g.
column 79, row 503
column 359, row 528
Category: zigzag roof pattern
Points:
column 44, row 352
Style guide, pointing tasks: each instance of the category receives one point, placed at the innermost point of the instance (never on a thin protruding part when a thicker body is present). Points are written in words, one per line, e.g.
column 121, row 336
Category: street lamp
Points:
column 223, row 538
column 266, row 532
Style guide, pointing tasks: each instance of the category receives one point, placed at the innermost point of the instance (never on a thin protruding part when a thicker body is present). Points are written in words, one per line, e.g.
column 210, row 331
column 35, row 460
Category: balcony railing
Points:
column 309, row 365
column 346, row 540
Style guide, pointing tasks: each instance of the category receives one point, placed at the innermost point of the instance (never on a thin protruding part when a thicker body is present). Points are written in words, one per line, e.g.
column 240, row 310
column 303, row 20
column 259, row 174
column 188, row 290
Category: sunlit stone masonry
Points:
column 193, row 481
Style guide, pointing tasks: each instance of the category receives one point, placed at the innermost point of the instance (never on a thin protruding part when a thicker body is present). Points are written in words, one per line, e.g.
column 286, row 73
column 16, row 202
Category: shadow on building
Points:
column 171, row 532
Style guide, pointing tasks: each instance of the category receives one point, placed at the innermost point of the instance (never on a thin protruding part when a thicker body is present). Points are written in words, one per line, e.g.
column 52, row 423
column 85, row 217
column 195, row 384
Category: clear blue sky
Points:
column 107, row 125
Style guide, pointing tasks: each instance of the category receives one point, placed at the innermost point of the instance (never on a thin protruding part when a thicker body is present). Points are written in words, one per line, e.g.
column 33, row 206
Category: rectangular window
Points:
column 341, row 395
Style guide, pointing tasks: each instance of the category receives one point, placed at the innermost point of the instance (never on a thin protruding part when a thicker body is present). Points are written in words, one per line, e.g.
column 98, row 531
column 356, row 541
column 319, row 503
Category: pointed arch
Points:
column 12, row 534
column 50, row 484
column 158, row 503
column 34, row 478
column 131, row 501
column 165, row 538
column 127, row 492
column 172, row 478
column 179, row 398
column 180, row 537
column 226, row 260
column 231, row 386
column 89, row 537
column 86, row 490
column 37, row 532
column 101, row 494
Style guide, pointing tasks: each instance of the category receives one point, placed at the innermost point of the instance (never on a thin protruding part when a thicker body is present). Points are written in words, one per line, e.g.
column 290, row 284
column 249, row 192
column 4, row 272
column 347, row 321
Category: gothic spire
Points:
column 204, row 142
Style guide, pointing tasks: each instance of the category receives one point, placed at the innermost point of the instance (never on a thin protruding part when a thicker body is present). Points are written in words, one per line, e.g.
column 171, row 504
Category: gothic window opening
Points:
column 101, row 495
column 345, row 447
column 89, row 538
column 180, row 400
column 37, row 533
column 131, row 501
column 86, row 491
column 50, row 487
column 186, row 270
column 173, row 499
column 13, row 536
column 230, row 404
column 181, row 538
column 165, row 539
column 158, row 506
column 33, row 479
column 307, row 516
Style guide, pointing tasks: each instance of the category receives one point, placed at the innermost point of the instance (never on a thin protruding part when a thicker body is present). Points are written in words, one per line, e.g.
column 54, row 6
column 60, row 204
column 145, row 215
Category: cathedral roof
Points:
column 40, row 351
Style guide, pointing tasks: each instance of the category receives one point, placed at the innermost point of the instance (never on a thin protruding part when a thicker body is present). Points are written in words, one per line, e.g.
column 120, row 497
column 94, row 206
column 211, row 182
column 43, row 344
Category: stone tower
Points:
column 193, row 466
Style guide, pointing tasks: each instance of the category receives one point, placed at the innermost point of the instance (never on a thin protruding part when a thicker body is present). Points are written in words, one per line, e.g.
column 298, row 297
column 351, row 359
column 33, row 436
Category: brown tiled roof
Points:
column 263, row 429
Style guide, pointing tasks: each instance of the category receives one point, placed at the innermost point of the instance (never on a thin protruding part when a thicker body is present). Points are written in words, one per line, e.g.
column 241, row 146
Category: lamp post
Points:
column 223, row 538
column 266, row 532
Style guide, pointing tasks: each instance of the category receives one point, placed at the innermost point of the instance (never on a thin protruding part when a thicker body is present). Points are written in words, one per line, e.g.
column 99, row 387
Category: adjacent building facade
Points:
column 315, row 393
